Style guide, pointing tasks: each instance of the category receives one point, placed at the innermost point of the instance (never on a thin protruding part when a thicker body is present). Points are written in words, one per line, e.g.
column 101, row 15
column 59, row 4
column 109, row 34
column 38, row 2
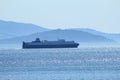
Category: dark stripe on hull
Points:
column 50, row 46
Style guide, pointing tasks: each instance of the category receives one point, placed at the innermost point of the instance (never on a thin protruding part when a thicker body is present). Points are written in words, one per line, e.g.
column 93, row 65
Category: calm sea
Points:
column 60, row 64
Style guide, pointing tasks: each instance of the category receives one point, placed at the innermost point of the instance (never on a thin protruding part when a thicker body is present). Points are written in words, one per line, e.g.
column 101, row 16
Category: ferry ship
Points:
column 61, row 43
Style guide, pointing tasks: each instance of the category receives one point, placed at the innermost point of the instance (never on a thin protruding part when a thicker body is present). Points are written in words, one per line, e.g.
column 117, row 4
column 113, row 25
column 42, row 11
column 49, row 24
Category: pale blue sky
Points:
column 102, row 15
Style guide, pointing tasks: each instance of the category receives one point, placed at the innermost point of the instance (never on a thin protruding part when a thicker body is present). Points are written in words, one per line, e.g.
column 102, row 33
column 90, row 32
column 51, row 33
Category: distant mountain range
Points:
column 14, row 33
column 10, row 29
column 113, row 36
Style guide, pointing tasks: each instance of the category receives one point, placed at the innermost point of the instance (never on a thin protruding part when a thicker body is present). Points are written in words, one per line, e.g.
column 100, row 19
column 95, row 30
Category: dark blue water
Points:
column 60, row 64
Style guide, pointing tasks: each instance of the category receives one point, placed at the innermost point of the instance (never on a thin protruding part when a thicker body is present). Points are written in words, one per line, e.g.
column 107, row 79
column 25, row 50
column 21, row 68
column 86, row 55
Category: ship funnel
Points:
column 37, row 40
